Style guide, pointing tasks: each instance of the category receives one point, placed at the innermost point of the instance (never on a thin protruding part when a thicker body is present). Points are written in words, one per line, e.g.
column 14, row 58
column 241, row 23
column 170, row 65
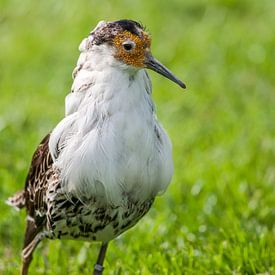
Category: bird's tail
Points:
column 18, row 200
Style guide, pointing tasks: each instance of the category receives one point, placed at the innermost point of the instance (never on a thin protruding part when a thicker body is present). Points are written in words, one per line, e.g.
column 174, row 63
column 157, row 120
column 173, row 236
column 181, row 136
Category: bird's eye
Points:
column 128, row 45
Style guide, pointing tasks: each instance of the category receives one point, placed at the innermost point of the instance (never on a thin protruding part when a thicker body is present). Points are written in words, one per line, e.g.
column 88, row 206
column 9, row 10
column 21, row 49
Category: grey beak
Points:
column 153, row 64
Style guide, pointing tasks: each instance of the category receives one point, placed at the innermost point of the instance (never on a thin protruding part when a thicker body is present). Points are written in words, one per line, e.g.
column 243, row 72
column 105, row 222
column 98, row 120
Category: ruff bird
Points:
column 98, row 172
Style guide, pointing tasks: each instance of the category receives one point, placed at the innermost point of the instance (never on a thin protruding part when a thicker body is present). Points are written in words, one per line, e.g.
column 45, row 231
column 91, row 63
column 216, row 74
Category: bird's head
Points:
column 130, row 45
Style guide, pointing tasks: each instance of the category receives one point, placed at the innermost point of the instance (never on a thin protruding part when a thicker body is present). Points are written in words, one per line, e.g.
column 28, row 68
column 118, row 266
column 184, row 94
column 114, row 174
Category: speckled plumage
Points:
column 89, row 219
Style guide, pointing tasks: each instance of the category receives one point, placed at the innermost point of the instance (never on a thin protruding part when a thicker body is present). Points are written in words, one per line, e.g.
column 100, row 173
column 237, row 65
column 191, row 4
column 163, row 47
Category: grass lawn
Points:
column 218, row 215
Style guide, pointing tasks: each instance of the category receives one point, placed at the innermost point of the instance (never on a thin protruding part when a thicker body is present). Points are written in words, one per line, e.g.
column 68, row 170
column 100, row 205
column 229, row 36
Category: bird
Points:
column 97, row 173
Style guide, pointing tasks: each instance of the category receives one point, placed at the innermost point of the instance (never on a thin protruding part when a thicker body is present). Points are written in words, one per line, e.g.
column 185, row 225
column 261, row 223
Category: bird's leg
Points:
column 33, row 236
column 27, row 252
column 98, row 268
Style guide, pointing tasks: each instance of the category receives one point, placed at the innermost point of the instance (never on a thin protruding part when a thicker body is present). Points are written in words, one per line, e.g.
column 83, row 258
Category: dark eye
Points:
column 128, row 45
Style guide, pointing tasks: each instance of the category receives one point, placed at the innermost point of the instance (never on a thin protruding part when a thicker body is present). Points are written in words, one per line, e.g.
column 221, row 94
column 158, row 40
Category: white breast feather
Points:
column 110, row 144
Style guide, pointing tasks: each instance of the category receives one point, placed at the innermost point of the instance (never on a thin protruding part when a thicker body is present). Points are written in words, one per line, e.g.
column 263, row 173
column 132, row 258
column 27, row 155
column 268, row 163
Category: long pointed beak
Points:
column 153, row 64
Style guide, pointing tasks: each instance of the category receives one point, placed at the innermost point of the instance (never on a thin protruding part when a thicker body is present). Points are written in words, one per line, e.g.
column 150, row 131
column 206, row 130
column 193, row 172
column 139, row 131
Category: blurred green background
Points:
column 217, row 217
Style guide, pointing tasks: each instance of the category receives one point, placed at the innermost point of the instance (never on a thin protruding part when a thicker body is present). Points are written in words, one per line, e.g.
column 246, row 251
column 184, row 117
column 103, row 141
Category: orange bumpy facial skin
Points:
column 136, row 56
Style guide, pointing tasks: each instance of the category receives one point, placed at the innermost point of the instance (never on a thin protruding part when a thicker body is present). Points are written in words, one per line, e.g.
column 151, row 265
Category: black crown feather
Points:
column 105, row 33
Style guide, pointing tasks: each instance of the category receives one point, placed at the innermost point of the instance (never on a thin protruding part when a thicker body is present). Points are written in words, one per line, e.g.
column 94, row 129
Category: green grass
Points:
column 217, row 217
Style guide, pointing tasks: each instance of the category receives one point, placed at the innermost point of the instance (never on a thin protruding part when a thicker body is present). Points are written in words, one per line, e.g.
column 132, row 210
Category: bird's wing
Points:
column 38, row 178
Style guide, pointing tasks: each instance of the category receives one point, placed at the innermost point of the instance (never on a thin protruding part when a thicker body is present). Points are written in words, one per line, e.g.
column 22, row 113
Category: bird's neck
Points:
column 109, row 85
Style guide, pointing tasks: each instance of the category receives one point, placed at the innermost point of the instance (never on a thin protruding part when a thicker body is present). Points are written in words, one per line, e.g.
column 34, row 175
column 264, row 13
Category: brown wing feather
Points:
column 37, row 179
column 36, row 182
